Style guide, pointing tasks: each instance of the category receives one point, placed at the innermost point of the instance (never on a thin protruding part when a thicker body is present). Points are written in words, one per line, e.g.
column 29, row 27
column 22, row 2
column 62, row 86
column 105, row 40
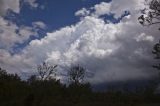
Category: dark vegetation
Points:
column 150, row 14
column 156, row 52
column 45, row 90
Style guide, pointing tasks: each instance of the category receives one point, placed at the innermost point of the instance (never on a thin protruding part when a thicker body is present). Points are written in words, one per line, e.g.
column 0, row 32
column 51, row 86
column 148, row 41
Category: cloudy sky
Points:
column 103, row 36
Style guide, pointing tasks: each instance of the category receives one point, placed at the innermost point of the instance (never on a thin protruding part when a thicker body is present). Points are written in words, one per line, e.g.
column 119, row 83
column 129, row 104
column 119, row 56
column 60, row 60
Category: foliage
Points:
column 150, row 14
column 51, row 92
column 156, row 52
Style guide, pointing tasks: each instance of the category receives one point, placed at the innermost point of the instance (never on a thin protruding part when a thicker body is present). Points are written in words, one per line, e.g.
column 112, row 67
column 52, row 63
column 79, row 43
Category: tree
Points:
column 156, row 52
column 46, row 71
column 32, row 79
column 2, row 72
column 76, row 74
column 150, row 14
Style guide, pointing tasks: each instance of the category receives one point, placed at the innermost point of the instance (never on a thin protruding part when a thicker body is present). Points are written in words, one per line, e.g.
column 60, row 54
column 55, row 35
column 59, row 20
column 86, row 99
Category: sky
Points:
column 104, row 36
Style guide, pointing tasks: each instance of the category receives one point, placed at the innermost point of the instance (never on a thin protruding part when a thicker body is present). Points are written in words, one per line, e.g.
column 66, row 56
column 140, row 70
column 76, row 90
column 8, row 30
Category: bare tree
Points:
column 76, row 74
column 46, row 71
column 150, row 14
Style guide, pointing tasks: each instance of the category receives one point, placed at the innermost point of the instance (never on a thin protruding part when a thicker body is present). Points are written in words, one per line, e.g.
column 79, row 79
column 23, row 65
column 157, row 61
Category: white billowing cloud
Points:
column 82, row 12
column 87, row 37
column 15, row 63
column 102, row 8
column 133, row 6
column 116, row 7
column 13, row 5
column 144, row 37
column 113, row 52
column 99, row 9
column 10, row 33
column 107, row 50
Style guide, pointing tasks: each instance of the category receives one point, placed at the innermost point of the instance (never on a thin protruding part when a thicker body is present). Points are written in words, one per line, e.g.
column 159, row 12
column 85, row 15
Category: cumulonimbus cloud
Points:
column 112, row 52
